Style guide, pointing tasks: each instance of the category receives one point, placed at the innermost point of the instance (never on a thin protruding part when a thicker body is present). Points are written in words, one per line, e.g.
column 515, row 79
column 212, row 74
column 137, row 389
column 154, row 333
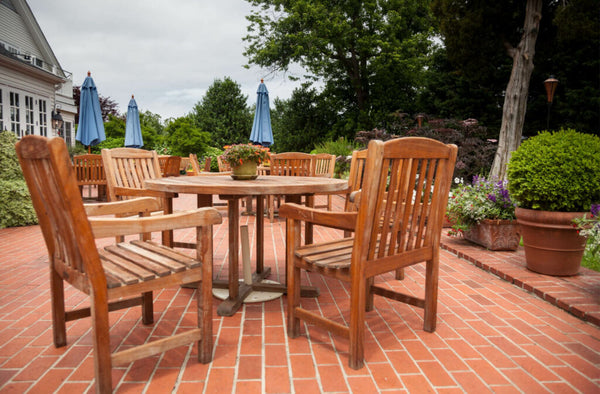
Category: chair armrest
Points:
column 124, row 207
column 112, row 227
column 129, row 191
column 339, row 220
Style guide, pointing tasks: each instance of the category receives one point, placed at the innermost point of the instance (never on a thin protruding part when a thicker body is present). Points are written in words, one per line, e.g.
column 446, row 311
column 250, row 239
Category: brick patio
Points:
column 501, row 328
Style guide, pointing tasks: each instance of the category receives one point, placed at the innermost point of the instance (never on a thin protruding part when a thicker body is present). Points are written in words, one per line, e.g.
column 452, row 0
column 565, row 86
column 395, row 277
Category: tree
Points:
column 364, row 51
column 223, row 113
column 515, row 99
column 184, row 138
column 302, row 121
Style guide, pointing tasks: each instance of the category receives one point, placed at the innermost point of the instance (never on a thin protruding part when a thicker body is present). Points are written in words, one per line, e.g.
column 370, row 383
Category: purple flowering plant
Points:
column 484, row 199
column 589, row 227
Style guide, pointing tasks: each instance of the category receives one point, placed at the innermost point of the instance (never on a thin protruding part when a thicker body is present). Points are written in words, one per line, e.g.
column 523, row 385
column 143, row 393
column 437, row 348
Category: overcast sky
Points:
column 167, row 53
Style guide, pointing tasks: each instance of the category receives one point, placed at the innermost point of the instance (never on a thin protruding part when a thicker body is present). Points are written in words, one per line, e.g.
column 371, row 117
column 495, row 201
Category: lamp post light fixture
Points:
column 420, row 118
column 550, row 85
column 57, row 121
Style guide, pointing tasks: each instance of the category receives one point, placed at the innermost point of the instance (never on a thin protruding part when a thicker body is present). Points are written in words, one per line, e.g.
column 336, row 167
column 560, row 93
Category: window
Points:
column 67, row 133
column 43, row 114
column 15, row 115
column 28, row 115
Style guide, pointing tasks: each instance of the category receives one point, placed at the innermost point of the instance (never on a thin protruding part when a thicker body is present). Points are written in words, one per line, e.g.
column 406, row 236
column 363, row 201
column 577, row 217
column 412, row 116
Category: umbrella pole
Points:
column 89, row 149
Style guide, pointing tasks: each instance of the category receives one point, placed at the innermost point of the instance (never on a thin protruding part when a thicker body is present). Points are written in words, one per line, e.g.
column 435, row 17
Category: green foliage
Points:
column 16, row 208
column 224, row 113
column 301, row 122
column 184, row 138
column 213, row 153
column 342, row 149
column 556, row 171
column 9, row 164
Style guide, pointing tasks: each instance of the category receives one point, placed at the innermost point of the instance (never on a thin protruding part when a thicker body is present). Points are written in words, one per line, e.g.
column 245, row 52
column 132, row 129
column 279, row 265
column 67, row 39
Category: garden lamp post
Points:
column 550, row 85
column 420, row 118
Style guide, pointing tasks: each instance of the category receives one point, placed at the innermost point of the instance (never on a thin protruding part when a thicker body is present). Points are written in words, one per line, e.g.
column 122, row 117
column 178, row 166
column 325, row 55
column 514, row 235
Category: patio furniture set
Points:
column 397, row 194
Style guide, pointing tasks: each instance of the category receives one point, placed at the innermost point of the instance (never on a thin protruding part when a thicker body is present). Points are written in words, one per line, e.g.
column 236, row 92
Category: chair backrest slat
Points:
column 323, row 165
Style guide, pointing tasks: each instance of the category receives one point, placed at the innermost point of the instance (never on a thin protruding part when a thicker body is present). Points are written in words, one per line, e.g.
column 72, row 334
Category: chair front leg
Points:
column 293, row 277
column 359, row 289
column 101, row 342
column 204, row 250
column 57, row 294
column 431, row 294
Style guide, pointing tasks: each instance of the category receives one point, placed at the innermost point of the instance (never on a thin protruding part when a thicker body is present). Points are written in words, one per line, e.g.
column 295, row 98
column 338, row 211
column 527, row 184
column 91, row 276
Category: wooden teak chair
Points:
column 117, row 276
column 401, row 208
column 288, row 164
column 323, row 165
column 126, row 169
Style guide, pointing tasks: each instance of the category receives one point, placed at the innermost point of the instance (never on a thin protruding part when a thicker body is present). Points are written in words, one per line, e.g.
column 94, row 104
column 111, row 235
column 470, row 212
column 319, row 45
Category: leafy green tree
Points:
column 184, row 138
column 153, row 131
column 301, row 122
column 370, row 54
column 223, row 113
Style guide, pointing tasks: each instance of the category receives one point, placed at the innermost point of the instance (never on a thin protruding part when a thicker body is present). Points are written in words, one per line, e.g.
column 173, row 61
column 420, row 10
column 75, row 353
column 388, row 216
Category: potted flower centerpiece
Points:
column 484, row 214
column 554, row 178
column 244, row 160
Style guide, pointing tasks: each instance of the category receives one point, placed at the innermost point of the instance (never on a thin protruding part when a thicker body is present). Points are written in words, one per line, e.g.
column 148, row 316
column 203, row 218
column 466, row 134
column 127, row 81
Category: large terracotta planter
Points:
column 245, row 171
column 495, row 234
column 552, row 244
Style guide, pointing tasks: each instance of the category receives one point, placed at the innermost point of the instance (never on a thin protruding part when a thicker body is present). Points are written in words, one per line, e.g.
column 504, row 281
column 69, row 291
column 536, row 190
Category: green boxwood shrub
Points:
column 556, row 171
column 16, row 208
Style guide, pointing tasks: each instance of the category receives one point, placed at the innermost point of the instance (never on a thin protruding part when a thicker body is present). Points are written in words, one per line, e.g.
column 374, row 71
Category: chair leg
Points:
column 369, row 295
column 431, row 293
column 357, row 322
column 101, row 341
column 400, row 274
column 147, row 308
column 57, row 294
column 293, row 293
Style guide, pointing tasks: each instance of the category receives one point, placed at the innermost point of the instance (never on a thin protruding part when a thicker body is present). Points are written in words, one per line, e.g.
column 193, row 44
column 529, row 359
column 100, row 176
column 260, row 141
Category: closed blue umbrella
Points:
column 133, row 131
column 90, row 131
column 261, row 128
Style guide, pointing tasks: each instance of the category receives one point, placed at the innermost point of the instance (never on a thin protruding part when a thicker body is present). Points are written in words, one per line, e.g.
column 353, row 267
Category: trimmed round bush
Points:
column 556, row 171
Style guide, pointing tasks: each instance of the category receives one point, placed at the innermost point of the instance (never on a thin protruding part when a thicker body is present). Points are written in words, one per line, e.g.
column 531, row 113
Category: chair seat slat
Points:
column 168, row 252
column 126, row 264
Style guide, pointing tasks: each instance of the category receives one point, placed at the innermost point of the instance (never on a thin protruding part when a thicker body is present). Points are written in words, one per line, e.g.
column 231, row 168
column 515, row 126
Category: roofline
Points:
column 37, row 34
column 30, row 70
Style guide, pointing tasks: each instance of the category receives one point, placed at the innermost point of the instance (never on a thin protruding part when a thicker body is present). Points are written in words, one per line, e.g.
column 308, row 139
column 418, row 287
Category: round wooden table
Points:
column 205, row 187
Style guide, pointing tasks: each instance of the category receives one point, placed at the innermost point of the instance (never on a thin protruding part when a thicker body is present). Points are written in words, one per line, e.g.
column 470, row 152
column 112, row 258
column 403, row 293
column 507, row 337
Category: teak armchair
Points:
column 288, row 164
column 323, row 165
column 126, row 169
column 398, row 224
column 117, row 276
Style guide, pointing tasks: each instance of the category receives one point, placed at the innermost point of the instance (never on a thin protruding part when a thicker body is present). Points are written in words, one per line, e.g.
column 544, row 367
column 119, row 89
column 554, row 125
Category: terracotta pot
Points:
column 552, row 244
column 495, row 234
column 244, row 171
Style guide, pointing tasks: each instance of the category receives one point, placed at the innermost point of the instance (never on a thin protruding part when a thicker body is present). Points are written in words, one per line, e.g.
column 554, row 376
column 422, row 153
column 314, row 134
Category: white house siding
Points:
column 45, row 90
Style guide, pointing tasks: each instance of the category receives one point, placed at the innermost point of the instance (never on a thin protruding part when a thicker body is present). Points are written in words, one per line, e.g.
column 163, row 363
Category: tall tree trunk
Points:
column 515, row 100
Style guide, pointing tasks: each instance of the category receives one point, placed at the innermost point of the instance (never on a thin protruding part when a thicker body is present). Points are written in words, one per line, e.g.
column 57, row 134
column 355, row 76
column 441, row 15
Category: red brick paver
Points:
column 500, row 328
